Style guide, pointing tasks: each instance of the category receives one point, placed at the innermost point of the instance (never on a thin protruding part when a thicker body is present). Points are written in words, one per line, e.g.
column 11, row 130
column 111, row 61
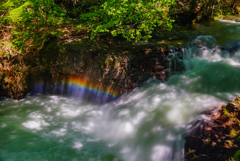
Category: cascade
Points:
column 145, row 125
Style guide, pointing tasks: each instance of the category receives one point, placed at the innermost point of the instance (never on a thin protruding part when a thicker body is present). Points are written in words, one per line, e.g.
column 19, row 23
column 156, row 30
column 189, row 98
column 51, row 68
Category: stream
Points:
column 146, row 124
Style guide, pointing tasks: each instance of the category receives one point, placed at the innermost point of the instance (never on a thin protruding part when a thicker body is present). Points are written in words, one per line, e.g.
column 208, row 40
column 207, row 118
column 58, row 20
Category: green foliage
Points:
column 207, row 9
column 237, row 155
column 31, row 20
column 131, row 18
column 217, row 17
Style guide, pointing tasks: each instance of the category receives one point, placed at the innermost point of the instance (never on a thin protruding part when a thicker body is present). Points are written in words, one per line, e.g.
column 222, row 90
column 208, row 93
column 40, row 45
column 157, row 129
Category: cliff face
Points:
column 119, row 65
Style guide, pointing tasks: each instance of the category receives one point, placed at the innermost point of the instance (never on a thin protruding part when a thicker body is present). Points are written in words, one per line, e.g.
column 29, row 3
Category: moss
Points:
column 224, row 108
column 218, row 17
column 109, row 61
column 233, row 133
column 116, row 61
column 5, row 54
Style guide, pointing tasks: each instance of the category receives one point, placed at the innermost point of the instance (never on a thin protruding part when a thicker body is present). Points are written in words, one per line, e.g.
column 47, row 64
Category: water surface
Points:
column 144, row 125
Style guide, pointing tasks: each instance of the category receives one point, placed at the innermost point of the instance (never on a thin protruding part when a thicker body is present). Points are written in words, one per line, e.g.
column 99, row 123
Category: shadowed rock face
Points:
column 120, row 65
column 111, row 62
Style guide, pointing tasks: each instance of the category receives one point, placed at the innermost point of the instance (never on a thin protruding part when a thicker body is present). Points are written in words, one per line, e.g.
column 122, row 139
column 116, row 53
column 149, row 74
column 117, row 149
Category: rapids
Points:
column 145, row 125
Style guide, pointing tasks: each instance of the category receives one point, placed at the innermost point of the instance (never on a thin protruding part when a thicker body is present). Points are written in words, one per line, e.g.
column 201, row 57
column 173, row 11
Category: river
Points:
column 144, row 125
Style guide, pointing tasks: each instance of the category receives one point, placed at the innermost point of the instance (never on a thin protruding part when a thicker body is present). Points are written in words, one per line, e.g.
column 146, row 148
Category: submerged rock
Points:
column 234, row 48
column 205, row 41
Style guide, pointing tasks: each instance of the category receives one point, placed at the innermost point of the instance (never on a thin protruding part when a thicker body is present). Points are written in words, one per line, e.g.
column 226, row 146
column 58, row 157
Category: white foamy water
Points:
column 144, row 125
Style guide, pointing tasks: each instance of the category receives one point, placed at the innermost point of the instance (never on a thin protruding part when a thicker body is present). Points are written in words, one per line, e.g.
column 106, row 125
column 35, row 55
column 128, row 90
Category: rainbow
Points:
column 75, row 83
column 79, row 87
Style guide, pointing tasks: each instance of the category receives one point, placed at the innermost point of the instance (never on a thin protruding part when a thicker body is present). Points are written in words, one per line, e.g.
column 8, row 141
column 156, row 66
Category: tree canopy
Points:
column 31, row 22
column 129, row 18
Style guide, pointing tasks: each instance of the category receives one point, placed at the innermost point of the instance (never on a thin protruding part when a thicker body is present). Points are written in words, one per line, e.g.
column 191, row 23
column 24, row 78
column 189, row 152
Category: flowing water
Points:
column 226, row 32
column 145, row 125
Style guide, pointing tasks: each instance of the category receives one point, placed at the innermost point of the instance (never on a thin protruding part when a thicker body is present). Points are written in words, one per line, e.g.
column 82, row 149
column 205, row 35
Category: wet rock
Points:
column 233, row 48
column 122, row 66
column 112, row 62
column 205, row 41
column 217, row 135
column 234, row 107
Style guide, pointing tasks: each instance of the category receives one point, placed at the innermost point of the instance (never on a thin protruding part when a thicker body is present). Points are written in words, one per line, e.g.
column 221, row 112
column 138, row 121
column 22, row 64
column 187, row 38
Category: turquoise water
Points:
column 224, row 31
column 144, row 125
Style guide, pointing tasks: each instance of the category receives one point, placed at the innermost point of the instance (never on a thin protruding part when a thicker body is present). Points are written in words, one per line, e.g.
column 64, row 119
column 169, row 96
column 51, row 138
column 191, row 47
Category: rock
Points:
column 123, row 66
column 216, row 135
column 234, row 48
column 232, row 107
column 205, row 41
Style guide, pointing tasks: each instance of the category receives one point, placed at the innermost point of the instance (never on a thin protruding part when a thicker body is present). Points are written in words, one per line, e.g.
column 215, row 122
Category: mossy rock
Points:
column 234, row 106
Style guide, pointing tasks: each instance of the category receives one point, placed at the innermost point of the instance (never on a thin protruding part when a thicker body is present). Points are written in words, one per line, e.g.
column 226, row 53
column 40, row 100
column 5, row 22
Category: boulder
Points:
column 205, row 41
